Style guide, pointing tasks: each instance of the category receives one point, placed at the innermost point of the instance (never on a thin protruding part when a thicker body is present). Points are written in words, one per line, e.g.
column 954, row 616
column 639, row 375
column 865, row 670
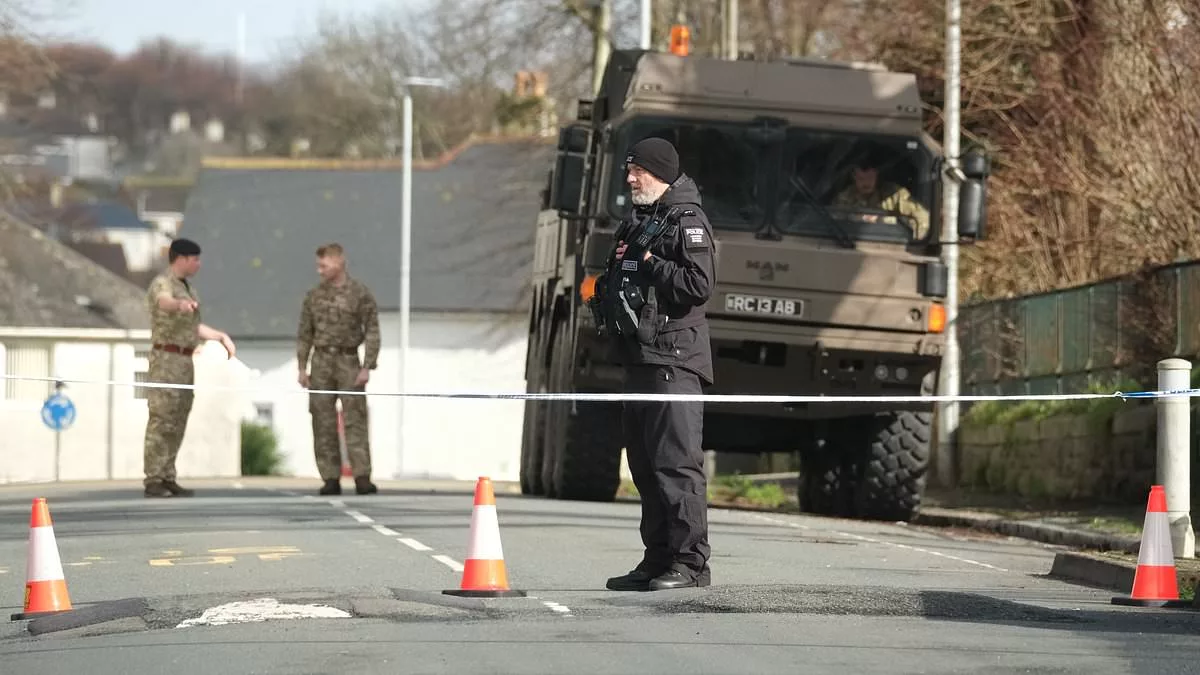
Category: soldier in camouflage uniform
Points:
column 175, row 332
column 867, row 192
column 337, row 316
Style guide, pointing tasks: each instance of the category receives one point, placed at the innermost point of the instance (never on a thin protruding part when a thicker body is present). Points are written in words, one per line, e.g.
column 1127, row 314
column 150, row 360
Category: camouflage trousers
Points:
column 338, row 371
column 169, row 410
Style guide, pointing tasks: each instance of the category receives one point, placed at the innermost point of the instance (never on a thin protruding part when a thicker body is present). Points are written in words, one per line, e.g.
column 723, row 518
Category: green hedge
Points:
column 260, row 450
column 1006, row 413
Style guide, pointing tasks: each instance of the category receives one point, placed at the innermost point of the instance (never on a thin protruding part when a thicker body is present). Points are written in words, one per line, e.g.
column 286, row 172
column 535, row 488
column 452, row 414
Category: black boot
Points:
column 364, row 486
column 332, row 487
column 177, row 489
column 636, row 580
column 674, row 578
column 157, row 489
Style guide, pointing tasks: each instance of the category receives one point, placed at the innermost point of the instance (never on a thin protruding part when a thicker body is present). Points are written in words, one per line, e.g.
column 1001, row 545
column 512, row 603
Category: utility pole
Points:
column 731, row 29
column 241, row 56
column 647, row 25
column 949, row 374
column 601, row 29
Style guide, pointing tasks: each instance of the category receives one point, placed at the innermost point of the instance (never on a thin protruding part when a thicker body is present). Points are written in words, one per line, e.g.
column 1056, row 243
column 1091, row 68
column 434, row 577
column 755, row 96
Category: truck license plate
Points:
column 757, row 304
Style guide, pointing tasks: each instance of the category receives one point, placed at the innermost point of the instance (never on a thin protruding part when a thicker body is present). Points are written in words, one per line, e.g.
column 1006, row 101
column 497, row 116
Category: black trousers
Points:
column 663, row 445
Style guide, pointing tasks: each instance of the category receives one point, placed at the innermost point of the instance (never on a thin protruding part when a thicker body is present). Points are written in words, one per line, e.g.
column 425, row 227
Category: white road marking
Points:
column 237, row 485
column 859, row 537
column 358, row 516
column 414, row 544
column 449, row 562
column 418, row 546
column 309, row 497
column 561, row 609
column 262, row 609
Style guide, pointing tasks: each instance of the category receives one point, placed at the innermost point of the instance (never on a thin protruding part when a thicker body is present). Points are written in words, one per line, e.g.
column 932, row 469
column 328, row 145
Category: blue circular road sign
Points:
column 58, row 412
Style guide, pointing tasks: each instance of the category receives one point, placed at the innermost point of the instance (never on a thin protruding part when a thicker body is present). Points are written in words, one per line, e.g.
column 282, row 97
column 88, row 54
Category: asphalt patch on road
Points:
column 90, row 615
column 877, row 601
column 844, row 601
column 167, row 613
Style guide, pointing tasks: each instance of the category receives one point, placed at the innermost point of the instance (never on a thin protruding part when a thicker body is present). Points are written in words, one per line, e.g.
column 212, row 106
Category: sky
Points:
column 209, row 24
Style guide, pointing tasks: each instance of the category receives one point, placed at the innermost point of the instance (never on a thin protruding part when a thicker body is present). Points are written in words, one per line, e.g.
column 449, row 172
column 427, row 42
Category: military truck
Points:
column 812, row 298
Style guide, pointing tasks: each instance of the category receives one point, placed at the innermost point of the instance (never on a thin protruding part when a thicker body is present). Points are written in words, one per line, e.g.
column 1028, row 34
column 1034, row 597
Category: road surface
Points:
column 181, row 586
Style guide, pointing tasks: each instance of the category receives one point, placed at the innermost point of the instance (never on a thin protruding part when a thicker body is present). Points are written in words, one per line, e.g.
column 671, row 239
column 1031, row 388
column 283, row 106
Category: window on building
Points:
column 264, row 413
column 141, row 366
column 27, row 360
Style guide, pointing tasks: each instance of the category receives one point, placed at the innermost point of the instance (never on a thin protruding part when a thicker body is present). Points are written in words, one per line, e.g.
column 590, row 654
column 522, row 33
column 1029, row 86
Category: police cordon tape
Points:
column 622, row 397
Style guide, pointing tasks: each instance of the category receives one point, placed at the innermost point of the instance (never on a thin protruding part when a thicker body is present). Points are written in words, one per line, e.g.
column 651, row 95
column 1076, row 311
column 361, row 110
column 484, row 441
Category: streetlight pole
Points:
column 731, row 30
column 647, row 18
column 949, row 375
column 406, row 251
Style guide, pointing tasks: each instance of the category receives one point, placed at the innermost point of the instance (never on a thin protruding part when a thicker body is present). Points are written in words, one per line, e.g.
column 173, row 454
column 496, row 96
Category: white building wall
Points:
column 106, row 439
column 447, row 438
column 143, row 248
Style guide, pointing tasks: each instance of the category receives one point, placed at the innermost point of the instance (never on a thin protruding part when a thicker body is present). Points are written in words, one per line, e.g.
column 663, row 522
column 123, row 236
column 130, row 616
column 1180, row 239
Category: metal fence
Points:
column 1064, row 341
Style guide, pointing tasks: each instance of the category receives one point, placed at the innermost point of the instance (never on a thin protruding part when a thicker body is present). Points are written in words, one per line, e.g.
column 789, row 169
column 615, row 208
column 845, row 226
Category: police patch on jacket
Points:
column 694, row 237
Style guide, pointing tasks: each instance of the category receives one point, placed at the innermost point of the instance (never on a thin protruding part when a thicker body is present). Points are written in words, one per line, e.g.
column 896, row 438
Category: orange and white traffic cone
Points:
column 1154, row 581
column 484, row 575
column 45, row 585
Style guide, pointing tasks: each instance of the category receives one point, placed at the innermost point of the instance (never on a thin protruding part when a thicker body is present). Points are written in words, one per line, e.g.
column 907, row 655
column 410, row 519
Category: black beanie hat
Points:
column 657, row 156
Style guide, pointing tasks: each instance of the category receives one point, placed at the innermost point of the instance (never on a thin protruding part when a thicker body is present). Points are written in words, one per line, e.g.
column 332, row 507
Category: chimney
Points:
column 521, row 87
column 181, row 121
column 214, row 131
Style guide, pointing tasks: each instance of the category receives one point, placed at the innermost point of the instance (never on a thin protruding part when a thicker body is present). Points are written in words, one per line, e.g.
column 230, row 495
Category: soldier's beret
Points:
column 185, row 247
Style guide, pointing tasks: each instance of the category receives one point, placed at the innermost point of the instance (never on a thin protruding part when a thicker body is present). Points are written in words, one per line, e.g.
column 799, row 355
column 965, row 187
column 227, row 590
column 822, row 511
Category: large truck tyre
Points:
column 533, row 428
column 895, row 469
column 827, row 482
column 582, row 443
column 531, row 465
column 533, row 445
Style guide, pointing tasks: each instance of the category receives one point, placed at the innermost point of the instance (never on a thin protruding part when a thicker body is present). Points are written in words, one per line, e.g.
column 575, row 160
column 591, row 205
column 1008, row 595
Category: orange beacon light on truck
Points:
column 681, row 39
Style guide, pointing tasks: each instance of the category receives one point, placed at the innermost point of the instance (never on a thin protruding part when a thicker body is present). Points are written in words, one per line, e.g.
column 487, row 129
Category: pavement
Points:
column 263, row 576
column 1103, row 559
column 1096, row 556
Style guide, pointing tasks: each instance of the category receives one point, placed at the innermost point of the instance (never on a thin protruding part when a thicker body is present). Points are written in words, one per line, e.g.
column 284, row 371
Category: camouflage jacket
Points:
column 339, row 316
column 890, row 198
column 169, row 326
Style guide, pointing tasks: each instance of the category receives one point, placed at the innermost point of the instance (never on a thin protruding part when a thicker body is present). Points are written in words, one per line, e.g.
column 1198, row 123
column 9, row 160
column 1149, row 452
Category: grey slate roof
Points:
column 45, row 284
column 259, row 223
column 165, row 198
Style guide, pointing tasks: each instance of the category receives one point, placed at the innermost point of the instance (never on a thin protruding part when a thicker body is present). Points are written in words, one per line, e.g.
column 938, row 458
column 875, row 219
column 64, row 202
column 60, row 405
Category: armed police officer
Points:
column 650, row 301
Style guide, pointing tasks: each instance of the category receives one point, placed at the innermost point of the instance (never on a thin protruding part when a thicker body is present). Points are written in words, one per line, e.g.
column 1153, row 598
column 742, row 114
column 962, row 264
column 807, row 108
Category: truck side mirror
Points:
column 972, row 196
column 566, row 188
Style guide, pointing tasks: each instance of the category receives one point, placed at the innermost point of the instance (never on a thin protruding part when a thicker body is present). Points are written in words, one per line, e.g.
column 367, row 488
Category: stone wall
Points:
column 1066, row 456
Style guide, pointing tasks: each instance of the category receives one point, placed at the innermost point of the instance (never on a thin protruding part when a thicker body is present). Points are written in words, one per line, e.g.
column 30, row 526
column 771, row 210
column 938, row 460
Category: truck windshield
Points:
column 805, row 182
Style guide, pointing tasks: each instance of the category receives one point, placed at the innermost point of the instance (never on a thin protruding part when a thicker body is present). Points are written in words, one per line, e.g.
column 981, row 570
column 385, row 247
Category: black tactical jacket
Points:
column 682, row 271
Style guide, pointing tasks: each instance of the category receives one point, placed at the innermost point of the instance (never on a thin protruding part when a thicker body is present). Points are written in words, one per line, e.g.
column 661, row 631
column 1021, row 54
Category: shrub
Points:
column 260, row 450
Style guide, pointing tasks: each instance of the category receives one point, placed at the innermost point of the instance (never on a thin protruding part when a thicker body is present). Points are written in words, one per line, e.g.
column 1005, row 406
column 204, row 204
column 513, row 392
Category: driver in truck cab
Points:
column 867, row 192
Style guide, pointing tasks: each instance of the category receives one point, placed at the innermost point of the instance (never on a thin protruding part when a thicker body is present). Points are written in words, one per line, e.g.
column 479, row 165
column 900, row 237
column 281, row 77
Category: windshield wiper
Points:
column 839, row 233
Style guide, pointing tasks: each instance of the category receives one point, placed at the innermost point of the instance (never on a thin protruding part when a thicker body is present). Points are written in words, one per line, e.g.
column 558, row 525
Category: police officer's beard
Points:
column 647, row 196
